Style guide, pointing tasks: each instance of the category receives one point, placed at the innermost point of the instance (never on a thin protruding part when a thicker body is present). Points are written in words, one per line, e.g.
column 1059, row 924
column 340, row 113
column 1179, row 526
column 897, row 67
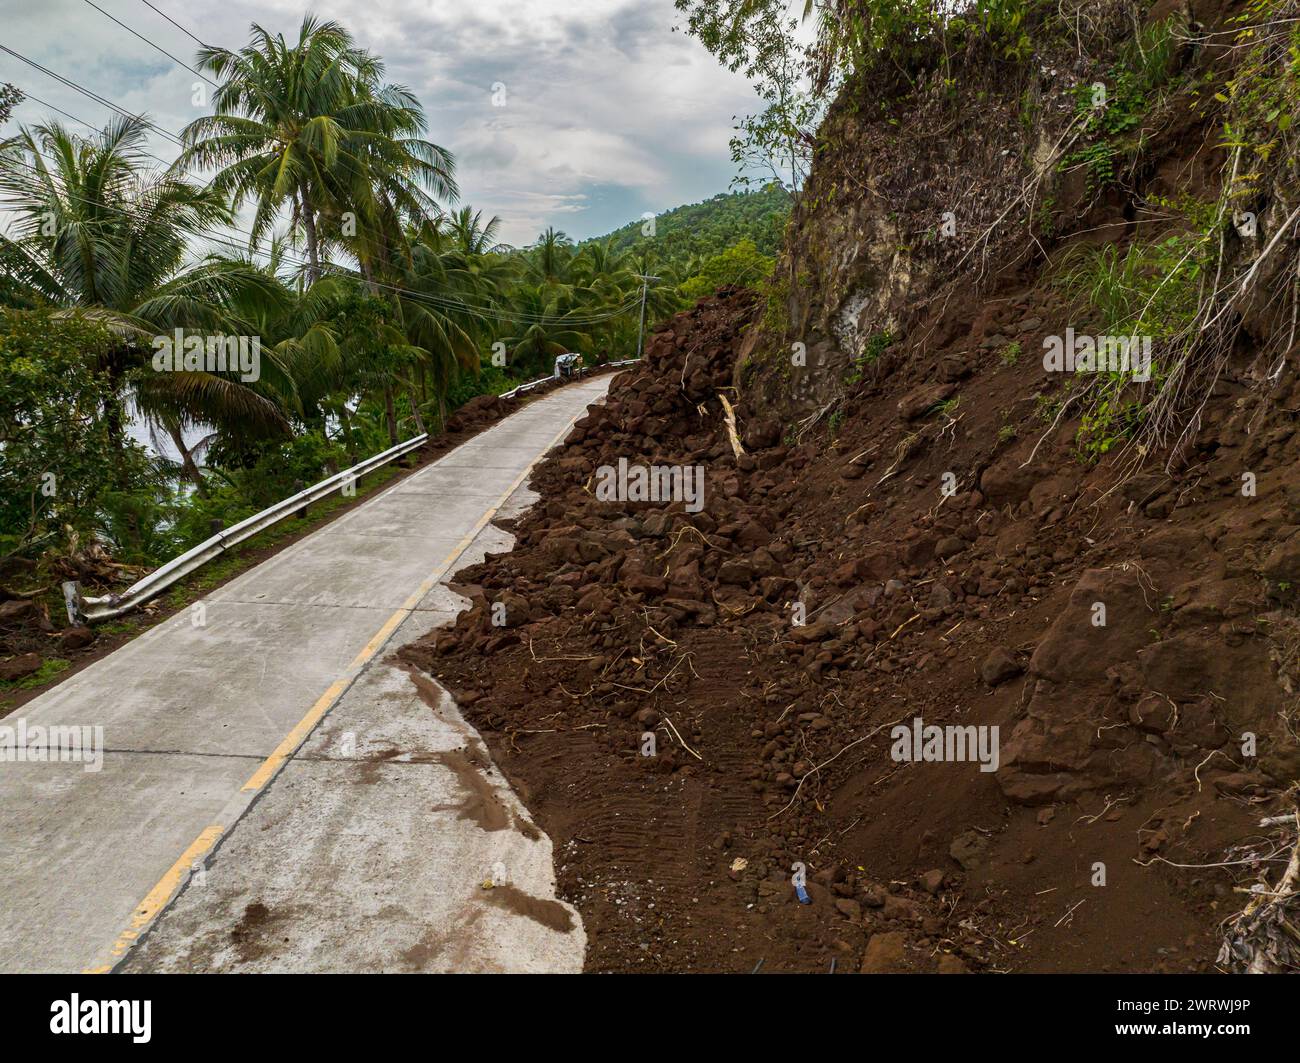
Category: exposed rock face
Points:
column 856, row 274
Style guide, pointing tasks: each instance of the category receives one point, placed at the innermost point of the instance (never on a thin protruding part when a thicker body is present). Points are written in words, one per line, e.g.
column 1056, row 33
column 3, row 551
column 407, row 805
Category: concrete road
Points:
column 276, row 795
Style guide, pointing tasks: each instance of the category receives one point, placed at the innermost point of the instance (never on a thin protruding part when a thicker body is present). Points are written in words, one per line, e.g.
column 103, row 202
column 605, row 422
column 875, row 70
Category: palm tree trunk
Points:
column 390, row 413
column 415, row 410
column 114, row 421
column 309, row 225
column 190, row 469
column 368, row 274
column 348, row 441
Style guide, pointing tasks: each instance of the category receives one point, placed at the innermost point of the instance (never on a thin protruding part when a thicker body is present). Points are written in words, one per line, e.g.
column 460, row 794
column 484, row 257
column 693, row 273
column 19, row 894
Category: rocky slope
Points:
column 914, row 538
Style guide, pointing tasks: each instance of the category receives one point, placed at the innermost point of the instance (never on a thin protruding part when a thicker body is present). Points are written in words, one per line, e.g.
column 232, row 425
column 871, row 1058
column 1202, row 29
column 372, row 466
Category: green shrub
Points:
column 491, row 380
column 1147, row 289
column 876, row 345
column 1132, row 90
column 741, row 265
column 59, row 454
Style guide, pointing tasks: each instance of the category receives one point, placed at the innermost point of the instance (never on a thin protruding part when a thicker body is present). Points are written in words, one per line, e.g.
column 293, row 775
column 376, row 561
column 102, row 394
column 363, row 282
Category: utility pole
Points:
column 645, row 284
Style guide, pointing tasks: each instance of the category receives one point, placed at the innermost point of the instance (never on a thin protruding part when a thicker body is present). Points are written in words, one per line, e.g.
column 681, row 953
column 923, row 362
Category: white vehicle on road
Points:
column 567, row 365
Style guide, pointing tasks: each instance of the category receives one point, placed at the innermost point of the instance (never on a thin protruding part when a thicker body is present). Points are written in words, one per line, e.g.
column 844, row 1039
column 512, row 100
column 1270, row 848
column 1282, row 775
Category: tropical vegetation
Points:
column 311, row 218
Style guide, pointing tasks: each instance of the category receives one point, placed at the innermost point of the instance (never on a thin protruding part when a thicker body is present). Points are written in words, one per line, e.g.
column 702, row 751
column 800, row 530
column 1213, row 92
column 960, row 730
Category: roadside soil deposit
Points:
column 1120, row 745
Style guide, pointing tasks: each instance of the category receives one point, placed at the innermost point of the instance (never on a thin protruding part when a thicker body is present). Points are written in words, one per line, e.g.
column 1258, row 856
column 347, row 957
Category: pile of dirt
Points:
column 479, row 412
column 936, row 558
column 483, row 411
column 1008, row 703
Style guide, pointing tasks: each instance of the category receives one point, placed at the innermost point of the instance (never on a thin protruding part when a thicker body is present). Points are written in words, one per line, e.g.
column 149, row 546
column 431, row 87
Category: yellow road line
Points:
column 161, row 893
column 166, row 887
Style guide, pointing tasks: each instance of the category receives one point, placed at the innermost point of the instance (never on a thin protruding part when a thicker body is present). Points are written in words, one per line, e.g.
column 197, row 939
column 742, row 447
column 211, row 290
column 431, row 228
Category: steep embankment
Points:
column 919, row 521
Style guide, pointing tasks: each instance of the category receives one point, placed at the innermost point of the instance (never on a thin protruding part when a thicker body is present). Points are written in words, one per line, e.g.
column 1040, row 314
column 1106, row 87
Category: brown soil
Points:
column 1121, row 745
column 551, row 914
column 481, row 803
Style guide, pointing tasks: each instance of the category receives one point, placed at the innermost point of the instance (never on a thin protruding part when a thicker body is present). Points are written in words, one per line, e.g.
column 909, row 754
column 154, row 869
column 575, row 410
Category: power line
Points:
column 175, row 23
column 492, row 313
column 152, row 44
column 481, row 310
column 497, row 314
column 646, row 278
column 117, row 109
column 206, row 233
column 347, row 165
column 102, row 101
column 88, row 125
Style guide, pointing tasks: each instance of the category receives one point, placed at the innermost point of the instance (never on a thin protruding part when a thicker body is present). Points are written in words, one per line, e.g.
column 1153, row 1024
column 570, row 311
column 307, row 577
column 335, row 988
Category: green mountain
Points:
column 700, row 230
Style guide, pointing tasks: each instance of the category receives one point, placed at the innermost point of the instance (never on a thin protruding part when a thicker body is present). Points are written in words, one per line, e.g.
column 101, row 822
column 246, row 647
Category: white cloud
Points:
column 609, row 112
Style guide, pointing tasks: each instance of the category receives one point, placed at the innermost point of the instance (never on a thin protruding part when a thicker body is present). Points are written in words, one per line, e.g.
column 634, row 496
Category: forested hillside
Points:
column 699, row 230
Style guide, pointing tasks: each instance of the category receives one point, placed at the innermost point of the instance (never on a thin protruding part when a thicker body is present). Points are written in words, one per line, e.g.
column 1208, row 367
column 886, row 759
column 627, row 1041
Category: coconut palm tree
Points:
column 470, row 234
column 447, row 303
column 551, row 258
column 311, row 128
column 546, row 327
column 100, row 233
column 602, row 259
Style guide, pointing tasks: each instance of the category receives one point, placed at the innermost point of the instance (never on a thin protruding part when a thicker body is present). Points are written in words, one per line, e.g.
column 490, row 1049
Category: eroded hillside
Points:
column 1087, row 578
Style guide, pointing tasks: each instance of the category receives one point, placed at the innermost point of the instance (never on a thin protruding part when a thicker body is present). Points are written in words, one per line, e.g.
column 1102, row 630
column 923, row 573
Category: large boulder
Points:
column 1106, row 621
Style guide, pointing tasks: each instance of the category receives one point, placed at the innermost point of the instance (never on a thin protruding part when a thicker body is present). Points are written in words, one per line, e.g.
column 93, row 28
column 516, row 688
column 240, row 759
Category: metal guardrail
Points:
column 83, row 610
column 585, row 371
column 524, row 388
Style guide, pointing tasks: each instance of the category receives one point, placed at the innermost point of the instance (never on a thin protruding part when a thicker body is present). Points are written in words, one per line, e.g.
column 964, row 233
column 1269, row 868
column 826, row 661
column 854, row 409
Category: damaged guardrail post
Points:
column 73, row 600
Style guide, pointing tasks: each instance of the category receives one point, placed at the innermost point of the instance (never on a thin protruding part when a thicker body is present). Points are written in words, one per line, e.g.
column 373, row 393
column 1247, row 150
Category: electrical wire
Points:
column 498, row 314
column 175, row 23
column 485, row 311
column 153, row 44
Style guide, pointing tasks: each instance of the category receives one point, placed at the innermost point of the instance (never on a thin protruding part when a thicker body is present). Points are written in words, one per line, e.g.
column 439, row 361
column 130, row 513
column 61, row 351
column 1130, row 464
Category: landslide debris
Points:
column 909, row 530
column 1120, row 744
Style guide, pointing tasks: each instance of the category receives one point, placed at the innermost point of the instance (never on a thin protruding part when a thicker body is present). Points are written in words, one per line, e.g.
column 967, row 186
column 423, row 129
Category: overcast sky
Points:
column 607, row 112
